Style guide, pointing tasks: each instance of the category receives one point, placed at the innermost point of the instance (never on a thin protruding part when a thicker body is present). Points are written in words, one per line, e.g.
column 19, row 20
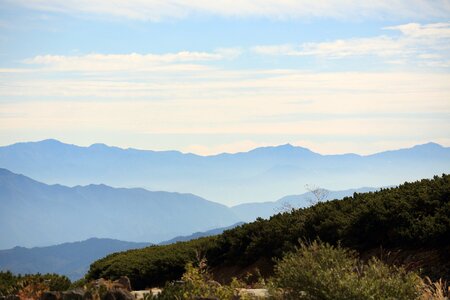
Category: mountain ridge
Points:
column 71, row 259
column 30, row 209
column 262, row 174
column 100, row 145
column 249, row 212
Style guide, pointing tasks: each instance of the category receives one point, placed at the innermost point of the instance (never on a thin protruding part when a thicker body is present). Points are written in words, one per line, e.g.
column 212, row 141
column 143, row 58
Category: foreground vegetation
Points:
column 413, row 217
column 314, row 271
column 31, row 286
column 321, row 271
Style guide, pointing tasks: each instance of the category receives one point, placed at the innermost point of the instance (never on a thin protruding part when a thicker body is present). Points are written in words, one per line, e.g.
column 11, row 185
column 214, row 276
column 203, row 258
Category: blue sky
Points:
column 214, row 76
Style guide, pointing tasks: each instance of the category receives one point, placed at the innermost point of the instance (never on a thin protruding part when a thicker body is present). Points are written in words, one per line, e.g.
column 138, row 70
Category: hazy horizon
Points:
column 213, row 77
column 219, row 153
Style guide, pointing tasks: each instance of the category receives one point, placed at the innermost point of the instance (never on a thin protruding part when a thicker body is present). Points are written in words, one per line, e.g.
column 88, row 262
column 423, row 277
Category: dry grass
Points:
column 438, row 290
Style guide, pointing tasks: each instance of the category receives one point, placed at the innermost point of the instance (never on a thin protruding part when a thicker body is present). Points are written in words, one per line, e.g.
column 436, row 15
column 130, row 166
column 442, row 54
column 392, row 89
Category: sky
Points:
column 226, row 76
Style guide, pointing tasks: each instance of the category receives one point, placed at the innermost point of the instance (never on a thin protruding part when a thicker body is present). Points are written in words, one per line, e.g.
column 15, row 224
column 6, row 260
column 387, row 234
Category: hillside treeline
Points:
column 413, row 218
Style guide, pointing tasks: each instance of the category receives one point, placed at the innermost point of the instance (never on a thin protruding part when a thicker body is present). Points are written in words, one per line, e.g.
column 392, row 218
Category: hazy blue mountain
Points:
column 70, row 259
column 262, row 174
column 36, row 214
column 197, row 235
column 248, row 212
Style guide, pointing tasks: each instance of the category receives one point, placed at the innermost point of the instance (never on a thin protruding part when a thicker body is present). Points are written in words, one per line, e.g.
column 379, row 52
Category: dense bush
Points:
column 31, row 284
column 411, row 216
column 152, row 266
column 314, row 271
column 321, row 271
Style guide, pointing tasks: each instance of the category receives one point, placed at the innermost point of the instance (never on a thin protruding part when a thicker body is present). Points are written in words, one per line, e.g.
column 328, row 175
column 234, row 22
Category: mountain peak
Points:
column 50, row 141
column 429, row 145
column 46, row 142
column 99, row 146
column 284, row 147
column 287, row 146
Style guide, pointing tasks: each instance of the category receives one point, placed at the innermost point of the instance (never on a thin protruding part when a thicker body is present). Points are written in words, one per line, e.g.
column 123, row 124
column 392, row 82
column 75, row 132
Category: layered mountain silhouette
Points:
column 35, row 214
column 263, row 174
column 73, row 259
column 70, row 259
column 199, row 234
column 248, row 212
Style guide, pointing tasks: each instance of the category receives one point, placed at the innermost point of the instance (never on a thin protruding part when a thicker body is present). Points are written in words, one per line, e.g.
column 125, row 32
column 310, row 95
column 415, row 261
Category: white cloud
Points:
column 417, row 43
column 266, row 104
column 381, row 46
column 225, row 103
column 434, row 30
column 156, row 10
column 181, row 61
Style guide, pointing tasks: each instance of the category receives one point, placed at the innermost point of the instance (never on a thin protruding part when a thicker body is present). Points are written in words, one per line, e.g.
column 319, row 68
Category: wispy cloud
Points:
column 155, row 10
column 180, row 61
column 346, row 105
column 426, row 44
column 381, row 46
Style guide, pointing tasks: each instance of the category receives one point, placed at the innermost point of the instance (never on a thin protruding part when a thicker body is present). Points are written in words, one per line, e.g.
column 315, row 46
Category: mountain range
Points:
column 196, row 235
column 33, row 213
column 70, row 259
column 37, row 214
column 260, row 175
column 249, row 212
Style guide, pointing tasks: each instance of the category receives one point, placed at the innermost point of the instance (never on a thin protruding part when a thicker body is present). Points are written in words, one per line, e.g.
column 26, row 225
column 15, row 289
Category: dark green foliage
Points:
column 150, row 266
column 8, row 283
column 12, row 284
column 411, row 216
column 321, row 271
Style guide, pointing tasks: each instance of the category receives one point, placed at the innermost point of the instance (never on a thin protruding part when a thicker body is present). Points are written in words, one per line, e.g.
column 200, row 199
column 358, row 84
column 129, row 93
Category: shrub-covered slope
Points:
column 414, row 217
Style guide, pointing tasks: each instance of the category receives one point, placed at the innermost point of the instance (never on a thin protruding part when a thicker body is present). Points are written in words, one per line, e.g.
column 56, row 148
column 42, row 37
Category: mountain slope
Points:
column 262, row 174
column 248, row 212
column 33, row 213
column 407, row 224
column 197, row 235
column 70, row 259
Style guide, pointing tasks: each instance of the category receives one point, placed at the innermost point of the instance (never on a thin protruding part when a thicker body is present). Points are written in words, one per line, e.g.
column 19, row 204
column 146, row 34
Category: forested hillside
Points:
column 413, row 218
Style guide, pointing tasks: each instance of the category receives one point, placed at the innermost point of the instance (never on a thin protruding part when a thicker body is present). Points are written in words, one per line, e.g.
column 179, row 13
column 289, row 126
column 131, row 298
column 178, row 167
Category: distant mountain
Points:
column 35, row 214
column 197, row 235
column 248, row 212
column 262, row 174
column 70, row 259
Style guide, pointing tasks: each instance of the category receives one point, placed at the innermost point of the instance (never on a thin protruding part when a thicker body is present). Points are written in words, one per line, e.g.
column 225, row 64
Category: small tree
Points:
column 318, row 194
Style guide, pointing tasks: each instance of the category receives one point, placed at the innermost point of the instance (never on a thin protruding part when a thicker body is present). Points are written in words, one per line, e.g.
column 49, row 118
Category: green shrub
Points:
column 197, row 282
column 8, row 283
column 321, row 271
column 11, row 284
